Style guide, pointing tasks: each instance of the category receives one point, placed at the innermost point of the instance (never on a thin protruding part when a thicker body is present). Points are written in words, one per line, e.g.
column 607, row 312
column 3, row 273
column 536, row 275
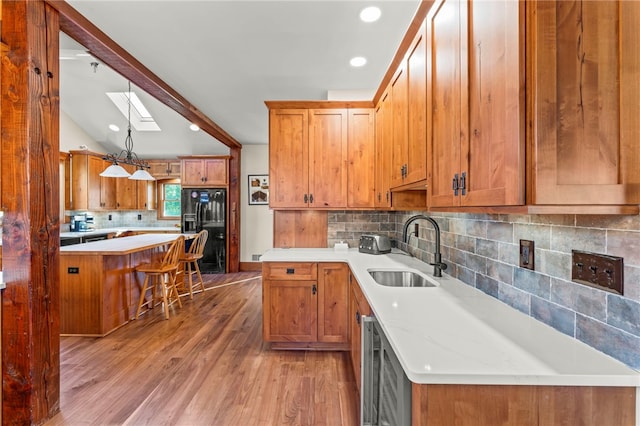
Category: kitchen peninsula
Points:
column 99, row 288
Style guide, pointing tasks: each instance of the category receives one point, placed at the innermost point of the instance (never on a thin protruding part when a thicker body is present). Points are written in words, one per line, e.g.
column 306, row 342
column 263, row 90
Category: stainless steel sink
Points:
column 400, row 278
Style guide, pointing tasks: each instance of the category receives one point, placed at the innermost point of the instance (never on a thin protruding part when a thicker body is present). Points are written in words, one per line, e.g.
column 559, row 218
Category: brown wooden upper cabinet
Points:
column 164, row 169
column 321, row 158
column 204, row 171
column 584, row 86
column 409, row 110
column 90, row 191
column 384, row 143
column 476, row 103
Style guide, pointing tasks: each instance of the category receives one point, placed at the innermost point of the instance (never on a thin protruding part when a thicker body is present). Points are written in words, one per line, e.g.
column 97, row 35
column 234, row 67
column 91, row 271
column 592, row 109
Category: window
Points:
column 169, row 196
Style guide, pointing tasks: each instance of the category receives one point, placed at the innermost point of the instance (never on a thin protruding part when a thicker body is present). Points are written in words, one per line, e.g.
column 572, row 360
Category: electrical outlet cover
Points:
column 527, row 251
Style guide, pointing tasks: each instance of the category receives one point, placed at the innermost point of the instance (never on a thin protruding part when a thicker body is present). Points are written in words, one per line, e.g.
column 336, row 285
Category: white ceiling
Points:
column 226, row 58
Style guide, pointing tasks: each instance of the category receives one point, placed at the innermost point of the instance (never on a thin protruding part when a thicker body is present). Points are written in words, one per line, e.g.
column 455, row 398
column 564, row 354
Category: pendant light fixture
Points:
column 127, row 156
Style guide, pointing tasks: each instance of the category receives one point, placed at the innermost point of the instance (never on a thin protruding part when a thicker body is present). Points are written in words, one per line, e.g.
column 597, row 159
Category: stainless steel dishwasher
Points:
column 385, row 398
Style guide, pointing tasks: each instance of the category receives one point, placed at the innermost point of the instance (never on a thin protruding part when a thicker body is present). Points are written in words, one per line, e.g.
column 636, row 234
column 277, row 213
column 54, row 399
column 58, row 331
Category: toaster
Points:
column 374, row 244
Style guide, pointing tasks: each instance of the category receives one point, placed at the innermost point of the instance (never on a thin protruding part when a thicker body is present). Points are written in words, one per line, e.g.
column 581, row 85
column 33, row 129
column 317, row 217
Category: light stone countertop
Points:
column 456, row 334
column 119, row 246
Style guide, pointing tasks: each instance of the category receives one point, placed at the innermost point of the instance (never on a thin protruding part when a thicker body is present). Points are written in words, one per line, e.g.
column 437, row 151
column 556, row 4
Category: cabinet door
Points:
column 215, row 171
column 288, row 157
column 107, row 190
column 384, row 140
column 290, row 311
column 399, row 125
column 146, row 191
column 416, row 151
column 493, row 153
column 91, row 181
column 158, row 169
column 173, row 169
column 192, row 172
column 327, row 158
column 585, row 90
column 127, row 191
column 443, row 26
column 361, row 157
column 333, row 302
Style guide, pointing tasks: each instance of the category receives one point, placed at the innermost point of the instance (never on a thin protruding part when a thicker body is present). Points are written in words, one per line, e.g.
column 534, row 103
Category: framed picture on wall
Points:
column 258, row 189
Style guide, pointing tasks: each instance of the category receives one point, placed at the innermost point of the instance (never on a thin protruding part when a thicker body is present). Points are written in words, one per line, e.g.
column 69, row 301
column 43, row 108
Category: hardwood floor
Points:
column 206, row 365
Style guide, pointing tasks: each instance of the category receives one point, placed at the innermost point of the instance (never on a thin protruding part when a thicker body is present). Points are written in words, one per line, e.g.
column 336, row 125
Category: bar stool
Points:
column 161, row 276
column 189, row 261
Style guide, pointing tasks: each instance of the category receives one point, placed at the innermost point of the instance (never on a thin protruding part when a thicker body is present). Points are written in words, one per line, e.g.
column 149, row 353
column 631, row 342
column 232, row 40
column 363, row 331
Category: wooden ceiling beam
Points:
column 79, row 28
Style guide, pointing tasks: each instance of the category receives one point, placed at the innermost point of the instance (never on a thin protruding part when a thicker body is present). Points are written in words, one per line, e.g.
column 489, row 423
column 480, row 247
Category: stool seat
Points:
column 161, row 277
column 189, row 261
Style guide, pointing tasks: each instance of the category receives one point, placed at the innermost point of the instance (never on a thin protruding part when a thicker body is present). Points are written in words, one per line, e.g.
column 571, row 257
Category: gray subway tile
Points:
column 623, row 314
column 580, row 298
column 500, row 271
column 624, row 244
column 539, row 234
column 488, row 285
column 558, row 317
column 565, row 239
column 531, row 282
column 500, row 231
column 610, row 340
column 514, row 297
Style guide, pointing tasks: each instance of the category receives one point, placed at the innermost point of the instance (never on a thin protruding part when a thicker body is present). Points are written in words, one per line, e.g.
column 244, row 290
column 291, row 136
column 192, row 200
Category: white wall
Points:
column 256, row 221
column 72, row 136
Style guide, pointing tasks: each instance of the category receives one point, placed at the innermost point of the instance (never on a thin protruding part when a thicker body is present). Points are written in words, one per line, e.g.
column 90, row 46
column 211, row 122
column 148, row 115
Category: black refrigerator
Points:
column 206, row 208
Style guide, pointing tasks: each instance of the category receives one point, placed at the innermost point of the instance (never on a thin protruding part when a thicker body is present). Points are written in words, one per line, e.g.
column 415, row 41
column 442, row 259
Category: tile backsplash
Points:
column 148, row 218
column 482, row 251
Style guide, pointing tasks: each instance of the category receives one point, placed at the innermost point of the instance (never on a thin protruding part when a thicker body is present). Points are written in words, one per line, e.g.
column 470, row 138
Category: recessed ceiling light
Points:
column 194, row 127
column 358, row 61
column 370, row 14
column 114, row 128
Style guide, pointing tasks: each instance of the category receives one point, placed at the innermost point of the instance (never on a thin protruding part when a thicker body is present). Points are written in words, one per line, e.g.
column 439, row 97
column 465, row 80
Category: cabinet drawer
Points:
column 289, row 271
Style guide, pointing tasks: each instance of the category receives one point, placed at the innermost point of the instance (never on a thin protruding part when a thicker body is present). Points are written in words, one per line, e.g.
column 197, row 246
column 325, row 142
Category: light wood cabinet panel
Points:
column 327, row 158
column 290, row 309
column 358, row 307
column 445, row 124
column 305, row 305
column 146, row 191
column 300, row 228
column 333, row 302
column 484, row 405
column 288, row 158
column 384, row 141
column 476, row 70
column 164, row 169
column 361, row 158
column 204, row 172
column 90, row 191
column 399, row 110
column 127, row 191
column 416, row 151
column 584, row 86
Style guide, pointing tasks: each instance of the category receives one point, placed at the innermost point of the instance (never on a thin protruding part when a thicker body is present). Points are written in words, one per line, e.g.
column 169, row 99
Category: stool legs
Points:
column 167, row 287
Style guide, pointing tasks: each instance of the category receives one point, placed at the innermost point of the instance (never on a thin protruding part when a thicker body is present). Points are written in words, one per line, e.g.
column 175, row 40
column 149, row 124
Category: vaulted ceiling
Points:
column 226, row 58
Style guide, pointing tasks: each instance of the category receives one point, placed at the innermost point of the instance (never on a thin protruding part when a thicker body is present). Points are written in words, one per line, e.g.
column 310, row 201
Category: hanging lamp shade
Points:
column 141, row 174
column 115, row 171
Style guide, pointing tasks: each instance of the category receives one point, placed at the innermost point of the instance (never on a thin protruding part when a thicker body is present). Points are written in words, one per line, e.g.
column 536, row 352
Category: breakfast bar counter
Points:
column 99, row 287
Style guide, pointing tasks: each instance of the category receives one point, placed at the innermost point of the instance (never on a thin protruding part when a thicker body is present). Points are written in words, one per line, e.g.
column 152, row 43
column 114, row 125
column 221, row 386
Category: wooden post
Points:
column 234, row 210
column 29, row 88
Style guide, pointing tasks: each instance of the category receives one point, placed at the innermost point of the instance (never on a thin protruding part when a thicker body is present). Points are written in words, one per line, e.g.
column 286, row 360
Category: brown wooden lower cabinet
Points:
column 305, row 305
column 358, row 307
column 510, row 405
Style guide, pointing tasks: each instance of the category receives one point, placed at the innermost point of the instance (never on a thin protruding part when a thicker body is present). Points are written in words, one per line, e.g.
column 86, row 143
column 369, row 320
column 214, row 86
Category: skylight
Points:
column 141, row 119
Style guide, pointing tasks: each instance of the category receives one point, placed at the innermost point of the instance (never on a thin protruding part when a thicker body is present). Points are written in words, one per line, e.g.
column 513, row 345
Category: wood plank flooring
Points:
column 206, row 365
